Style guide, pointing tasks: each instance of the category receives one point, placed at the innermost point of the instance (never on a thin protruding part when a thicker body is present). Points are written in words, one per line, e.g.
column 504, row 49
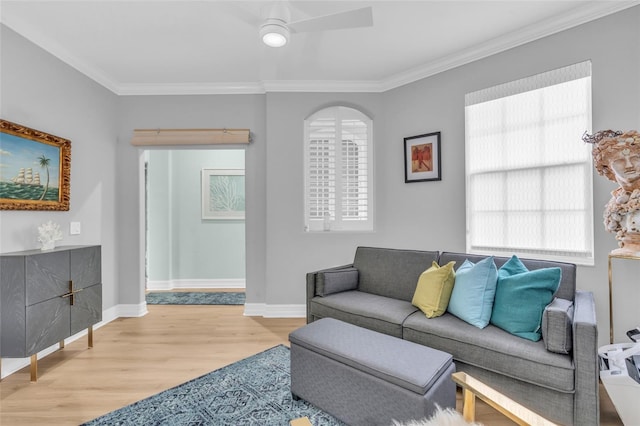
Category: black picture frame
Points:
column 422, row 158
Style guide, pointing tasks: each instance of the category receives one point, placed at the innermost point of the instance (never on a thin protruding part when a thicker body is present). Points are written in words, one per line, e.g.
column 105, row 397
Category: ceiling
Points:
column 193, row 47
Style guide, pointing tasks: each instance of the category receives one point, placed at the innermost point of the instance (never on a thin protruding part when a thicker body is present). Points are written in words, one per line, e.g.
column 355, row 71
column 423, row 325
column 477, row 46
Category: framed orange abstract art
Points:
column 422, row 158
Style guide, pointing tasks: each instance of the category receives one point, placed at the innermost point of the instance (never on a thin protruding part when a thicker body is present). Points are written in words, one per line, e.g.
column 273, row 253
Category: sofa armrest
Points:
column 557, row 326
column 312, row 285
column 585, row 359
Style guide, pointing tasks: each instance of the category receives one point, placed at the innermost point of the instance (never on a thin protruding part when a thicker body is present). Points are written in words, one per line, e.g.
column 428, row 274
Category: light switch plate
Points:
column 74, row 228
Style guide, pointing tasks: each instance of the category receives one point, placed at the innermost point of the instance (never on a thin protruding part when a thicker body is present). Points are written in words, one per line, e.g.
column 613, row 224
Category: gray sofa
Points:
column 375, row 292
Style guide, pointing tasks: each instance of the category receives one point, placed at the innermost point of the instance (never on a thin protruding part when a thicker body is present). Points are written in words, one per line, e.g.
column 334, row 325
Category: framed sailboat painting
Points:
column 35, row 169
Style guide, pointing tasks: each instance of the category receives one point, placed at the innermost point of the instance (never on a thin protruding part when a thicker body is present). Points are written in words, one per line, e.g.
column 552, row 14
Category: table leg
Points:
column 473, row 388
column 34, row 367
column 468, row 405
column 610, row 303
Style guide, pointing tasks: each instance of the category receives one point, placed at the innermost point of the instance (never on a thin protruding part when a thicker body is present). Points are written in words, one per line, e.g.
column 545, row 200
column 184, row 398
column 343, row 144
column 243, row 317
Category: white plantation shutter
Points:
column 338, row 173
column 529, row 175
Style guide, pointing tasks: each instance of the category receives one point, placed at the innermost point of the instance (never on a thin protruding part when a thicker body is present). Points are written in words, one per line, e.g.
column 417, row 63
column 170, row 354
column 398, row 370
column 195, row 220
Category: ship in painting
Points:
column 27, row 177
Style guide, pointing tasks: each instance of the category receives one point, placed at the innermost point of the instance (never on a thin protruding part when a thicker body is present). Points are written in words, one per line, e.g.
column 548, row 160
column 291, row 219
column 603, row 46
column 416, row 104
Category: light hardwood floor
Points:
column 134, row 358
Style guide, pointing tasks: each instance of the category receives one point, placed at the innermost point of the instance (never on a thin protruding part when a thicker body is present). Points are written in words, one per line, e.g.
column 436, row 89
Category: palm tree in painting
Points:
column 44, row 162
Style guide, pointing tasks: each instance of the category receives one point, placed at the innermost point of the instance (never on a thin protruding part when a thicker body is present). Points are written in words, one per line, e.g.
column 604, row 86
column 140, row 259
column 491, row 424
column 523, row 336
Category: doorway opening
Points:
column 184, row 248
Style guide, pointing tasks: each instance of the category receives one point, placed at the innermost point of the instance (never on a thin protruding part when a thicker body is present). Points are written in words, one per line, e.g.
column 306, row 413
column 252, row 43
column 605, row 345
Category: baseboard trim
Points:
column 180, row 284
column 274, row 311
column 132, row 311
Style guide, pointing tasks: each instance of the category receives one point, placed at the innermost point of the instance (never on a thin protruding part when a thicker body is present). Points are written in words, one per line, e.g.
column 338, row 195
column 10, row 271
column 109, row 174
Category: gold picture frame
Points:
column 25, row 153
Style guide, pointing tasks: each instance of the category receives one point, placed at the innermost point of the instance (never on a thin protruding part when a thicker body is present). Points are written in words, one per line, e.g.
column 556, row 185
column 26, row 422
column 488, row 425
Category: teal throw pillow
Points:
column 521, row 296
column 473, row 292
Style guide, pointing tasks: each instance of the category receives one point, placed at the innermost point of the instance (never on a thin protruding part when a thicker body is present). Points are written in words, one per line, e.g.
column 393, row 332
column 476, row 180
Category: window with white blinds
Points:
column 528, row 172
column 338, row 158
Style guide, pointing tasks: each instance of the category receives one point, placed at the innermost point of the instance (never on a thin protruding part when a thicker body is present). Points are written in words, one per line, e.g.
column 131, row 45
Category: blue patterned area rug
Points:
column 255, row 391
column 195, row 298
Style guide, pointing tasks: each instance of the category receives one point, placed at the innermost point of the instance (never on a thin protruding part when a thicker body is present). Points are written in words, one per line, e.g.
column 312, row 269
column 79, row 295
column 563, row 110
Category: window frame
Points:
column 338, row 222
column 544, row 80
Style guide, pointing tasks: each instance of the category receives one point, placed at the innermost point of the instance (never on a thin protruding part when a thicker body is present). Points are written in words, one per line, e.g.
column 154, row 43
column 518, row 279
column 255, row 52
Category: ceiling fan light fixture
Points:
column 274, row 34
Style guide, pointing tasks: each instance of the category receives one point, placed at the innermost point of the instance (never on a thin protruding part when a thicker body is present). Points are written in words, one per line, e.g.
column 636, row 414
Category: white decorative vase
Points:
column 48, row 234
column 48, row 245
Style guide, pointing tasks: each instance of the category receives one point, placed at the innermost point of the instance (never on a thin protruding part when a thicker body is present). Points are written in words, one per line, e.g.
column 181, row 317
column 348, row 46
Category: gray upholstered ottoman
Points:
column 363, row 377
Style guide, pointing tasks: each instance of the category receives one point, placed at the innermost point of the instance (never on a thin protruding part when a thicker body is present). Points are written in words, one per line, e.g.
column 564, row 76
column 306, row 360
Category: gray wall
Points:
column 41, row 92
column 437, row 104
column 291, row 252
column 181, row 245
column 231, row 111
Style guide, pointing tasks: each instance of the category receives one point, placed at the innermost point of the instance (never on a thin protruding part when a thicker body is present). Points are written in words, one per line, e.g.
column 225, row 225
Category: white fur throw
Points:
column 448, row 417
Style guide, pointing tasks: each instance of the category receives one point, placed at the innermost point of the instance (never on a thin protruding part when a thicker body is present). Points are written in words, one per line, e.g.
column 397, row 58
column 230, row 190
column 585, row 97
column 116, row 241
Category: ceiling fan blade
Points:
column 240, row 12
column 355, row 18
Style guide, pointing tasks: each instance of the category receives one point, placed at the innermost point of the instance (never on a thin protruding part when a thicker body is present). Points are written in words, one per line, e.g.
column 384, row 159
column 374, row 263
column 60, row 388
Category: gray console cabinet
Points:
column 47, row 296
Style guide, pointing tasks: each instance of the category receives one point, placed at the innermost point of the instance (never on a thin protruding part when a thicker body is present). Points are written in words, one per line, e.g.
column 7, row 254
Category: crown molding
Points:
column 321, row 86
column 232, row 88
column 235, row 88
column 525, row 35
column 36, row 37
column 522, row 36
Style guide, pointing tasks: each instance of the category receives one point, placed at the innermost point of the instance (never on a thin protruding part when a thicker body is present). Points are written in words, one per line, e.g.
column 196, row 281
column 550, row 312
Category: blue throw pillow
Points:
column 473, row 292
column 521, row 296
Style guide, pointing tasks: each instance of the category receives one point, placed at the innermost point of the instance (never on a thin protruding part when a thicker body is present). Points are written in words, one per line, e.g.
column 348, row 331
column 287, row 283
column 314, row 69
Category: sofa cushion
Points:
column 473, row 292
column 566, row 290
column 335, row 281
column 557, row 326
column 434, row 289
column 521, row 296
column 391, row 272
column 493, row 349
column 371, row 311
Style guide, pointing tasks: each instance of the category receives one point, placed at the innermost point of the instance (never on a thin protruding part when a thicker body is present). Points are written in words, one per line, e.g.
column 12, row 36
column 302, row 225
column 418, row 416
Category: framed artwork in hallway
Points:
column 223, row 194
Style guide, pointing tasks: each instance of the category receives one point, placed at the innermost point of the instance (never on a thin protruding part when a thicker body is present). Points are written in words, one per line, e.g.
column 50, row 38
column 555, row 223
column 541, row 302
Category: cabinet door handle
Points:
column 71, row 293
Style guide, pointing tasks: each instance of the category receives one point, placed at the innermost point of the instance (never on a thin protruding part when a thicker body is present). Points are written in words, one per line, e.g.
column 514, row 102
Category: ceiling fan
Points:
column 277, row 28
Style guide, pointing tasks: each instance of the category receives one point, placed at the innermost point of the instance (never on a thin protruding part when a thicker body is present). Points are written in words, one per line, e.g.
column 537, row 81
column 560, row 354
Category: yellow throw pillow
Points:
column 434, row 289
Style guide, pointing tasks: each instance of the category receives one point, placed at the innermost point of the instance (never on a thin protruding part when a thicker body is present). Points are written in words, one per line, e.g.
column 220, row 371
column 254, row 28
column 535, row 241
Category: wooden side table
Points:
column 472, row 388
column 614, row 256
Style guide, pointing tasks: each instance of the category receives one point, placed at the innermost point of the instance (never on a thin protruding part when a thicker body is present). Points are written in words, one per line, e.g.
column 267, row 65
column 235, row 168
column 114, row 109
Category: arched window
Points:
column 338, row 160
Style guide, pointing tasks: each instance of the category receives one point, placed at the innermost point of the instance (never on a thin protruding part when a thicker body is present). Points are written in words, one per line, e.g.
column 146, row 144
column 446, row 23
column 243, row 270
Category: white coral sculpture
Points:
column 49, row 233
